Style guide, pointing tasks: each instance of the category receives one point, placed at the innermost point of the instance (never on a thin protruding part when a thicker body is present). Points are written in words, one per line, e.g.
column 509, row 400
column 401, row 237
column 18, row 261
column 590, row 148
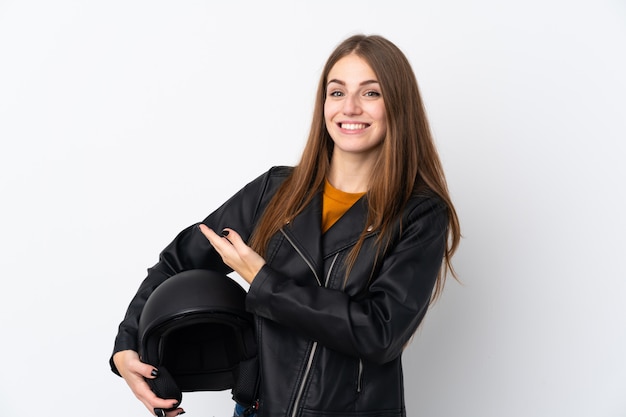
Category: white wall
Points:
column 121, row 122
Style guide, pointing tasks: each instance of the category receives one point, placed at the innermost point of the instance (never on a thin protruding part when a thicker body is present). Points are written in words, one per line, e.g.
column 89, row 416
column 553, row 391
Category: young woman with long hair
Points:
column 344, row 252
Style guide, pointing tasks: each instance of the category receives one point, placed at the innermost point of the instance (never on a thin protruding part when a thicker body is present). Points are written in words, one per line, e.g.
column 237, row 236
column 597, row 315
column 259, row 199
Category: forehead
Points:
column 351, row 68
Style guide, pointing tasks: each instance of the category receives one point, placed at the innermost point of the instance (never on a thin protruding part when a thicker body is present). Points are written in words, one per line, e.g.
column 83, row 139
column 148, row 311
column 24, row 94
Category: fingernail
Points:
column 225, row 232
column 181, row 413
column 154, row 373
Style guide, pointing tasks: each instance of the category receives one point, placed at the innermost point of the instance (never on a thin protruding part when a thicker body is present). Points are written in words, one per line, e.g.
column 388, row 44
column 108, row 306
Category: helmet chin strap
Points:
column 164, row 386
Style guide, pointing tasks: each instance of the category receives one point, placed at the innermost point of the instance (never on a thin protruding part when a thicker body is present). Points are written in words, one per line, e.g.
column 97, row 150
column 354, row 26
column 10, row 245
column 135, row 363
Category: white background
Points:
column 122, row 122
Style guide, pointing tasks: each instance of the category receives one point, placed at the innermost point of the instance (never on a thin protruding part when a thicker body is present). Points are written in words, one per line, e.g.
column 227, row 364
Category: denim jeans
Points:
column 239, row 409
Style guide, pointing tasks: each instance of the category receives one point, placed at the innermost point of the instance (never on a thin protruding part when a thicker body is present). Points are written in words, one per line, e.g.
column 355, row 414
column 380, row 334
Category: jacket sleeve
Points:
column 191, row 250
column 375, row 326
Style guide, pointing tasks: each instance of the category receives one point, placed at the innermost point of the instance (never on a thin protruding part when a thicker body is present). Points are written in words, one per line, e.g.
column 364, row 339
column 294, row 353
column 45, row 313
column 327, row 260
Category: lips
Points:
column 353, row 126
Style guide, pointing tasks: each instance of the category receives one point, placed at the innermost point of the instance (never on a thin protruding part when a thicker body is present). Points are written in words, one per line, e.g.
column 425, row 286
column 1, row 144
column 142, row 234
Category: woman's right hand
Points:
column 134, row 373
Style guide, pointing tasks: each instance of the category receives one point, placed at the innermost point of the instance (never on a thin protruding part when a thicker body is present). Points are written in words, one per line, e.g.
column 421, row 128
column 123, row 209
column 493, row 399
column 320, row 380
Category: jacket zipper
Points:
column 302, row 256
column 309, row 364
column 296, row 402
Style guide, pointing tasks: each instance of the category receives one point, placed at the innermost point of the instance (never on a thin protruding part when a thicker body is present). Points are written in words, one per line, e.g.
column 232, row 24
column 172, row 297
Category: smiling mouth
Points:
column 353, row 126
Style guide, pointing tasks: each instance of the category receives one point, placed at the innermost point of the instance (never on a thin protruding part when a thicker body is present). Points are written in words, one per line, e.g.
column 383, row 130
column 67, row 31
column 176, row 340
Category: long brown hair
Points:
column 408, row 161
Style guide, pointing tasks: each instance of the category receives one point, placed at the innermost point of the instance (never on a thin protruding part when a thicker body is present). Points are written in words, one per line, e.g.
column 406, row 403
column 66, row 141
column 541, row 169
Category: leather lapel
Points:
column 305, row 231
column 346, row 231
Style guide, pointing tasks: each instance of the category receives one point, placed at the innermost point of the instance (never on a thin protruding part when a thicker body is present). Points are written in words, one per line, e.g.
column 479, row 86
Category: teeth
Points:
column 353, row 126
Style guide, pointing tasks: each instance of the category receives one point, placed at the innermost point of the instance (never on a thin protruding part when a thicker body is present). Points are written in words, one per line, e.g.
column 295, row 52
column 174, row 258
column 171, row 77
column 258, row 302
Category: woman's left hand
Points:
column 234, row 252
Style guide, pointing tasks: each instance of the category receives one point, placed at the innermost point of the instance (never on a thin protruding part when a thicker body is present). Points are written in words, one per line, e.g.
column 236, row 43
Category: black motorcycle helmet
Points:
column 195, row 330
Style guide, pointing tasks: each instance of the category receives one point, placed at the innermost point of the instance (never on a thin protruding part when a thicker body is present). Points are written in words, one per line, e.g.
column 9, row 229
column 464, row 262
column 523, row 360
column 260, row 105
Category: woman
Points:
column 343, row 252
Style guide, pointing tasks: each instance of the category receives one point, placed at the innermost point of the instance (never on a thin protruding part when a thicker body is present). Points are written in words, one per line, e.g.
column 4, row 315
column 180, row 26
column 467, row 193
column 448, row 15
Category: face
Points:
column 354, row 109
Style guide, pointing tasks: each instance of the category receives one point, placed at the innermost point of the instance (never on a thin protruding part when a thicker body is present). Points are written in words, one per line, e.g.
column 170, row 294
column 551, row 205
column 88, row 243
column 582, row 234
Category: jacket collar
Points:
column 346, row 231
column 305, row 231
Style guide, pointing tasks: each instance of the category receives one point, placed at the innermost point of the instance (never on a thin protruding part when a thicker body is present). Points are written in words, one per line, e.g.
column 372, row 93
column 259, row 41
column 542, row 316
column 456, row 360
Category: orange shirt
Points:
column 335, row 204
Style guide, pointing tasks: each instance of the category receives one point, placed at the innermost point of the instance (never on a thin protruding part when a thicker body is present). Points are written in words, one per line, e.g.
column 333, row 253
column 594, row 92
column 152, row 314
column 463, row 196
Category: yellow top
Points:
column 335, row 204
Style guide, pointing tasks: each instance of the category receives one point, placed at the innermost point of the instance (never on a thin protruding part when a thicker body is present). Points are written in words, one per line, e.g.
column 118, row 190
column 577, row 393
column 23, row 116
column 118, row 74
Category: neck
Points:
column 351, row 175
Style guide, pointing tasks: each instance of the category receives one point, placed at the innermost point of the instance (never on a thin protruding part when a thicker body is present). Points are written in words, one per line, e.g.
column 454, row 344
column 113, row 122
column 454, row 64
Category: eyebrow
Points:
column 366, row 82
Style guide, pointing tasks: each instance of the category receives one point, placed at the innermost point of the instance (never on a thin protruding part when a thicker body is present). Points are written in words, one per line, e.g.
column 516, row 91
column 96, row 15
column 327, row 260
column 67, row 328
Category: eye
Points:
column 335, row 93
column 372, row 93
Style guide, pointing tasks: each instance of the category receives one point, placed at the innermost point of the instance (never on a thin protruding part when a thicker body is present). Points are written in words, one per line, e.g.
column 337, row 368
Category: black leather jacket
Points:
column 327, row 346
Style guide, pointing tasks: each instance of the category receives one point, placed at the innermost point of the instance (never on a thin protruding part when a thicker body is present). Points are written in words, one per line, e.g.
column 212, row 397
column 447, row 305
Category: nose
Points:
column 351, row 105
